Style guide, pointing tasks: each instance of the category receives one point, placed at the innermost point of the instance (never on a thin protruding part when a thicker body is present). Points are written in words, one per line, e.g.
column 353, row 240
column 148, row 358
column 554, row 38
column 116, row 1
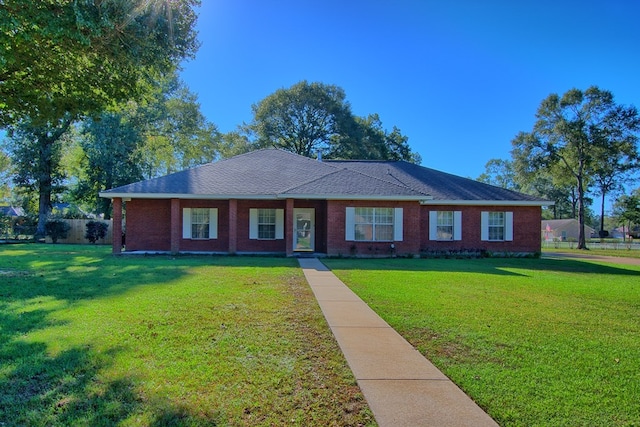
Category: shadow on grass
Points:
column 494, row 266
column 42, row 387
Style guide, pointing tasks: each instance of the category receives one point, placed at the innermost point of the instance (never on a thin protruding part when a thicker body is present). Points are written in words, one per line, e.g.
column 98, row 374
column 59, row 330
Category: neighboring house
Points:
column 275, row 202
column 564, row 230
column 11, row 211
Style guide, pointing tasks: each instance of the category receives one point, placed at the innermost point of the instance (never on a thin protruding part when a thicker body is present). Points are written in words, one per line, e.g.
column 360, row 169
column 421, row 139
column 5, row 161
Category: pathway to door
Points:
column 401, row 387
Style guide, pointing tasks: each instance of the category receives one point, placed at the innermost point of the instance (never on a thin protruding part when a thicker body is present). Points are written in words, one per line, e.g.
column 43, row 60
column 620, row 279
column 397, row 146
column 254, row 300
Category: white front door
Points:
column 304, row 229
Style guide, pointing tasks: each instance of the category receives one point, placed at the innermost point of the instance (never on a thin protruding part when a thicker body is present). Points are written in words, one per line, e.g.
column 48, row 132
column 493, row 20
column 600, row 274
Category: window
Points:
column 266, row 224
column 374, row 224
column 497, row 226
column 445, row 225
column 200, row 223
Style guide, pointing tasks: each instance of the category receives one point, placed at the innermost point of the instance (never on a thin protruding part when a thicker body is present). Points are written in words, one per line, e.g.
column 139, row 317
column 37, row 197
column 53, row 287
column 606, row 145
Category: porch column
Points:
column 233, row 226
column 288, row 227
column 116, row 244
column 176, row 226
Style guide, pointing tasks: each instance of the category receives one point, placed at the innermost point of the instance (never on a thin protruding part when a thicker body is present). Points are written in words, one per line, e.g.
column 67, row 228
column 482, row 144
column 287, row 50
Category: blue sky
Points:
column 459, row 78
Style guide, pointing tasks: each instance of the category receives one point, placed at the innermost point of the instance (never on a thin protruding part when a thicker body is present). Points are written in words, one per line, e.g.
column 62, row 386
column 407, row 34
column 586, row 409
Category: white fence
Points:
column 593, row 245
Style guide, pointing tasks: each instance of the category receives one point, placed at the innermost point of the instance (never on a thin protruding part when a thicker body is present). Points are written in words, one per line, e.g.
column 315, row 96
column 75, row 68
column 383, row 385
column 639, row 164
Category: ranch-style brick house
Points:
column 275, row 202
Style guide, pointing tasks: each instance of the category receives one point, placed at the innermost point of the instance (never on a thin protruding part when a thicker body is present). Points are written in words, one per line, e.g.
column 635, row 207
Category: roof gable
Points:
column 442, row 186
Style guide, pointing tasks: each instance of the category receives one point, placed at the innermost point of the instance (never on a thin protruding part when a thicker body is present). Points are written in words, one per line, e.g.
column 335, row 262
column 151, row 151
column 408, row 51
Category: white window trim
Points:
column 253, row 224
column 457, row 226
column 350, row 225
column 508, row 227
column 186, row 224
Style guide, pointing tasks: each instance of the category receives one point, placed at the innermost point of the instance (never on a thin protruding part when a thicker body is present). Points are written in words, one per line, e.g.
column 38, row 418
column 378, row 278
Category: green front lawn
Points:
column 535, row 342
column 88, row 339
column 623, row 253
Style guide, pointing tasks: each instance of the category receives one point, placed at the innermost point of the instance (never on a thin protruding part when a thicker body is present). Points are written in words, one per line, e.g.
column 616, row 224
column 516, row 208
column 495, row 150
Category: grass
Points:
column 536, row 342
column 623, row 253
column 88, row 339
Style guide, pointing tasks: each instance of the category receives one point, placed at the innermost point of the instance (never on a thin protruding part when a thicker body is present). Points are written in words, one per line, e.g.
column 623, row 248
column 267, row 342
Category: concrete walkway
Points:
column 401, row 387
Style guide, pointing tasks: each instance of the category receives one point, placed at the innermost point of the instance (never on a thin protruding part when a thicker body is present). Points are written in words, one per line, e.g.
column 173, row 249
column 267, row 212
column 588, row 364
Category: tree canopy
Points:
column 575, row 135
column 302, row 118
column 314, row 119
column 64, row 57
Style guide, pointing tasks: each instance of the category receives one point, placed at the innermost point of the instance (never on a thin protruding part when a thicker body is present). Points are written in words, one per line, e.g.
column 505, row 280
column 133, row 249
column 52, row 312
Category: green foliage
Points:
column 6, row 169
column 535, row 342
column 56, row 229
column 62, row 57
column 142, row 140
column 302, row 118
column 313, row 118
column 574, row 137
column 36, row 151
column 500, row 173
column 95, row 230
column 627, row 211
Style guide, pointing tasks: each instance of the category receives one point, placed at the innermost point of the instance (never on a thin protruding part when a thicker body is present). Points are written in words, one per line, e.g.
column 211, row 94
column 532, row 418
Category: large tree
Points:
column 64, row 59
column 314, row 119
column 617, row 160
column 135, row 141
column 570, row 133
column 60, row 57
column 301, row 119
column 627, row 210
column 500, row 173
column 36, row 153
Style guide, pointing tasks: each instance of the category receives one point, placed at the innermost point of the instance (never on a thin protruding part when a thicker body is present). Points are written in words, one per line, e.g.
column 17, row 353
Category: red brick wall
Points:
column 526, row 237
column 148, row 228
column 221, row 244
column 337, row 245
column 148, row 225
column 248, row 245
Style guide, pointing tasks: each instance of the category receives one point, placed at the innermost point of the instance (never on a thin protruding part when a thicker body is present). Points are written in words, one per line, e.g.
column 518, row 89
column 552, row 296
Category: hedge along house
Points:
column 275, row 202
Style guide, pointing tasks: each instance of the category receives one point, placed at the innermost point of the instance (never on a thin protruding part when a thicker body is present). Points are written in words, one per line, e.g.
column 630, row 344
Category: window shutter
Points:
column 213, row 223
column 433, row 225
column 253, row 223
column 457, row 225
column 484, row 226
column 186, row 223
column 279, row 224
column 397, row 225
column 508, row 226
column 350, row 224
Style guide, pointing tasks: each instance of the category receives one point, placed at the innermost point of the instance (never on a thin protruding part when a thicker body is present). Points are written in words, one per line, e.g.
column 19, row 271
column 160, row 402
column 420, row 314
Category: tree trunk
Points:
column 582, row 241
column 47, row 165
column 44, row 184
column 602, row 215
column 44, row 208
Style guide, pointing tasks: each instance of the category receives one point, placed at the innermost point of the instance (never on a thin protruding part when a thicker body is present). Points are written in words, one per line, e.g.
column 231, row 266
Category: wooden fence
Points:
column 79, row 227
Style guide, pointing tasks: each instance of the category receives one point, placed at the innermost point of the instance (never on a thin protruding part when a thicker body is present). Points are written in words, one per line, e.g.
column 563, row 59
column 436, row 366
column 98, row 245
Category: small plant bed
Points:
column 91, row 339
column 535, row 342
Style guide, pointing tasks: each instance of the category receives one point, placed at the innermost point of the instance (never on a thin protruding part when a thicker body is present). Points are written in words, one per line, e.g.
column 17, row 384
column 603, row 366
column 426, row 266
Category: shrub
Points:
column 56, row 229
column 95, row 230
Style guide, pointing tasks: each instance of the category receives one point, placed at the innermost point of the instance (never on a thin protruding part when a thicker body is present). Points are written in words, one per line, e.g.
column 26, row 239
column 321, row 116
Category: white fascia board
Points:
column 114, row 195
column 487, row 202
column 188, row 196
